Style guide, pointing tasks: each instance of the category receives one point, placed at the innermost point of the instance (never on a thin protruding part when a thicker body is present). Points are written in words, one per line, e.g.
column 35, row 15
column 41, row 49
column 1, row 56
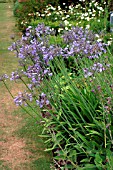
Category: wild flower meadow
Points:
column 69, row 77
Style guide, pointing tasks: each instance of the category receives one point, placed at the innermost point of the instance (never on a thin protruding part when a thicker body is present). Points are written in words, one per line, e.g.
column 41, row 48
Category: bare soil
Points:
column 12, row 152
column 12, row 148
column 16, row 152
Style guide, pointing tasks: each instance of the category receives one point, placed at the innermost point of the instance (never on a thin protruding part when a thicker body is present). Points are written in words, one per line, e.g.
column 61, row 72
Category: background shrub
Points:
column 60, row 14
column 26, row 11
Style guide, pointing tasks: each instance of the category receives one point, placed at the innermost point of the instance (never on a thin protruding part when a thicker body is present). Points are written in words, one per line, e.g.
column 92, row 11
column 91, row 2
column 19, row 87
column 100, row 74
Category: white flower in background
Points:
column 66, row 28
column 90, row 13
column 88, row 19
column 66, row 22
column 82, row 17
column 48, row 14
column 57, row 13
column 96, row 35
column 53, row 8
column 60, row 29
column 90, row 4
column 77, row 13
column 109, row 42
column 98, row 20
column 71, row 11
column 38, row 14
column 94, row 11
column 61, row 12
column 86, row 14
column 96, row 4
column 42, row 15
column 59, row 8
column 70, row 7
column 77, row 6
column 63, row 18
column 64, row 3
column 67, row 16
column 87, row 26
column 46, row 11
column 93, row 15
column 99, row 40
column 29, row 14
column 100, row 8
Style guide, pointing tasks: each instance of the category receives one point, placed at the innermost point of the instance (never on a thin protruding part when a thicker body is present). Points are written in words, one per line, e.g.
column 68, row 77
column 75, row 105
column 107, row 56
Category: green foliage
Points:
column 88, row 15
column 77, row 128
column 26, row 11
column 16, row 8
column 34, row 144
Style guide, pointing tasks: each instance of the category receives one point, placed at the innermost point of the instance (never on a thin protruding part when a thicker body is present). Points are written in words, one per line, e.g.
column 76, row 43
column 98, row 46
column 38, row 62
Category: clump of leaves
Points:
column 78, row 129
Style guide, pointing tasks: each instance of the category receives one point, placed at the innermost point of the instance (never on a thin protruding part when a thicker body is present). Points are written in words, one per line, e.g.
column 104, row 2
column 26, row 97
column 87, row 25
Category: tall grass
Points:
column 79, row 127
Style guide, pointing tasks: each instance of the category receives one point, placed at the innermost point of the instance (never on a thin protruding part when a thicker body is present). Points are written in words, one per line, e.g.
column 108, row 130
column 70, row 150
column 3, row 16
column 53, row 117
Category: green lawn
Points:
column 27, row 129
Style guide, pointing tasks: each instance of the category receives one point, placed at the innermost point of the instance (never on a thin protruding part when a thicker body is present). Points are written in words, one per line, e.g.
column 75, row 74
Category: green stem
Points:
column 8, row 89
column 25, row 84
column 28, row 88
column 19, row 105
column 31, row 108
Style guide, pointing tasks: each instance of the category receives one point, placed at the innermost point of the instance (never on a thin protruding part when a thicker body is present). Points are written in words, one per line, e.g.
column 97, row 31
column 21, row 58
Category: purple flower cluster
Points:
column 96, row 68
column 23, row 98
column 43, row 101
column 82, row 43
column 13, row 47
column 35, row 52
column 43, row 30
column 15, row 75
column 4, row 77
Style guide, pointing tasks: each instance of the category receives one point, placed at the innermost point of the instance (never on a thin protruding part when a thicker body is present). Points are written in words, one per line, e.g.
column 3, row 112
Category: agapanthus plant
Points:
column 66, row 105
column 96, row 68
column 35, row 51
